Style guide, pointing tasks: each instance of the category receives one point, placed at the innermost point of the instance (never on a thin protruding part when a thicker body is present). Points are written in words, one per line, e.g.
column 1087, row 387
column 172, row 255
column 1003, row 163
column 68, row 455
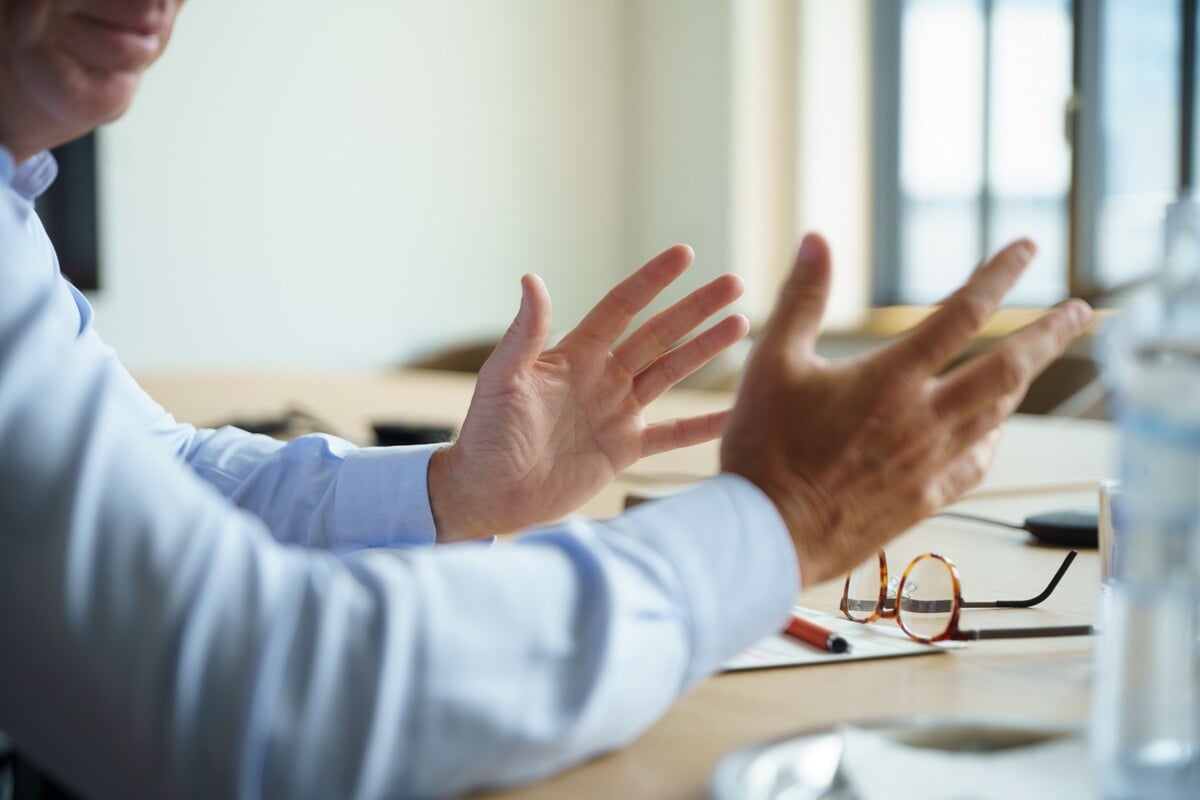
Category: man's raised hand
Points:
column 854, row 452
column 549, row 428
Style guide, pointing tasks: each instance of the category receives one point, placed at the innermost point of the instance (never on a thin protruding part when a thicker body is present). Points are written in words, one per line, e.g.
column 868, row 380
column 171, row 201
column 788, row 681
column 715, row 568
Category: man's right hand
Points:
column 854, row 452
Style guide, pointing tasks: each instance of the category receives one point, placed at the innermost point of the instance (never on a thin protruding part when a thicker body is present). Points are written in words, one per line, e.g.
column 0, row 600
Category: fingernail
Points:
column 1083, row 313
column 1079, row 313
column 1026, row 249
column 808, row 248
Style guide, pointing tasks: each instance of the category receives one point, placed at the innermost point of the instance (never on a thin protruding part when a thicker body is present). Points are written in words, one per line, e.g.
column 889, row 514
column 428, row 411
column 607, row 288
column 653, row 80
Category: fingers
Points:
column 613, row 314
column 686, row 359
column 663, row 436
column 931, row 345
column 802, row 300
column 662, row 331
column 526, row 336
column 991, row 386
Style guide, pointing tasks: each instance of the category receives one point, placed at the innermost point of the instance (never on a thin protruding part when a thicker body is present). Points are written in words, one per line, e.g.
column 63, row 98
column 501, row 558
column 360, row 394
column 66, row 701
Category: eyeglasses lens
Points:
column 928, row 602
column 862, row 594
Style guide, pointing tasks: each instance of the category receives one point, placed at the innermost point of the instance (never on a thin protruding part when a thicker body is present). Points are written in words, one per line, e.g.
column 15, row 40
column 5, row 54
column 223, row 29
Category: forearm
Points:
column 238, row 666
column 570, row 641
column 318, row 490
column 144, row 603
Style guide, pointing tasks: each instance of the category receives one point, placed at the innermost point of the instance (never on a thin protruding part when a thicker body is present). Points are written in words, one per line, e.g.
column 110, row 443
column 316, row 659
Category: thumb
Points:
column 802, row 299
column 526, row 336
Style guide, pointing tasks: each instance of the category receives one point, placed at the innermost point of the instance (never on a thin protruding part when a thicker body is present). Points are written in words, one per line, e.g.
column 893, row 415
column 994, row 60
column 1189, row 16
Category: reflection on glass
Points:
column 1139, row 119
column 941, row 91
column 941, row 132
column 983, row 159
column 1029, row 165
column 940, row 239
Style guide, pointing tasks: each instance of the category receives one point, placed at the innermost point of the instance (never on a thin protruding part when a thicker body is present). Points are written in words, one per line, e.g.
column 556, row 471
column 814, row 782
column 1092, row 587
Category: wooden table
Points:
column 1044, row 464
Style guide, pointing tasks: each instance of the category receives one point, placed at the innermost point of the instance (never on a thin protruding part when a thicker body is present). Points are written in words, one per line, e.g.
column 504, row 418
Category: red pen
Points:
column 814, row 634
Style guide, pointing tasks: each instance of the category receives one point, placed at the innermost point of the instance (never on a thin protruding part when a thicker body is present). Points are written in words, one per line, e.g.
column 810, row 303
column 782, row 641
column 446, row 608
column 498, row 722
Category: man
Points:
column 164, row 636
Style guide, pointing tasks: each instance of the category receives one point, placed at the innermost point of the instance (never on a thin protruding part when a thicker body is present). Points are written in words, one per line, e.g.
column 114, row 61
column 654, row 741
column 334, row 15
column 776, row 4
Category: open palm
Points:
column 549, row 428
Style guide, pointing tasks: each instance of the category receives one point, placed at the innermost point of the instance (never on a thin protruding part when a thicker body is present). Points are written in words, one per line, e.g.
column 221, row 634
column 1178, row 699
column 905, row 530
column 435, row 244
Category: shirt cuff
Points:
column 737, row 566
column 382, row 497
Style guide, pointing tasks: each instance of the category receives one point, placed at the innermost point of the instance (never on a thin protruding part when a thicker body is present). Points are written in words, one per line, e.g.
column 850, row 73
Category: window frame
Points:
column 1082, row 121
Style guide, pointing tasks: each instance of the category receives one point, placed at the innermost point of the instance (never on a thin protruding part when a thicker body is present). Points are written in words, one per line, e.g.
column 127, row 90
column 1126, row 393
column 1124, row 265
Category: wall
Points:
column 834, row 127
column 303, row 189
column 307, row 189
column 679, row 83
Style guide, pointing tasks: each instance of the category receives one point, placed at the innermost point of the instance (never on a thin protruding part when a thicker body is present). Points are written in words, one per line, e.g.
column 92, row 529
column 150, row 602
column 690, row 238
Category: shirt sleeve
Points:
column 320, row 490
column 317, row 490
column 159, row 642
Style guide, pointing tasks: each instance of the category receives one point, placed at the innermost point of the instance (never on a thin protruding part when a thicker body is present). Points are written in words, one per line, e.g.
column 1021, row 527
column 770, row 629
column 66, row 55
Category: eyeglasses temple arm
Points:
column 1028, row 633
column 1033, row 601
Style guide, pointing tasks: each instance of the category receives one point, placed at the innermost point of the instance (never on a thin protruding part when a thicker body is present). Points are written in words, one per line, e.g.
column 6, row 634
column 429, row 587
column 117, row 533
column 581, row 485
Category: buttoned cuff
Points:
column 382, row 497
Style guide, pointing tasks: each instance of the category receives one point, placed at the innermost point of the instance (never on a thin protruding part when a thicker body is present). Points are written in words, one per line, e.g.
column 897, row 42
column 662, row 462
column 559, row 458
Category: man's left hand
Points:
column 549, row 428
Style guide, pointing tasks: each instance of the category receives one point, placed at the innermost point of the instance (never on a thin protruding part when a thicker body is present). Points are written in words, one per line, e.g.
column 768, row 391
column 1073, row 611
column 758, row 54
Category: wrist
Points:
column 455, row 513
column 801, row 519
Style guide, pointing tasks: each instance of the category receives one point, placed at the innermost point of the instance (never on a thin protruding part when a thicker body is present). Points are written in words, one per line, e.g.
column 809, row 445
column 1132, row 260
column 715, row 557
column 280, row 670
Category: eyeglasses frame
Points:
column 953, row 631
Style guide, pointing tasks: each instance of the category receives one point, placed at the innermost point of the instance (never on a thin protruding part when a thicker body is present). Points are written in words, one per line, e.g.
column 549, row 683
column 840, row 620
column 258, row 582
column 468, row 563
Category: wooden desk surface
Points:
column 1044, row 464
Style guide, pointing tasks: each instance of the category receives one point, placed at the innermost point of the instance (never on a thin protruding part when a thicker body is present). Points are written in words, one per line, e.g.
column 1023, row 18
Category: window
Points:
column 999, row 118
column 1130, row 151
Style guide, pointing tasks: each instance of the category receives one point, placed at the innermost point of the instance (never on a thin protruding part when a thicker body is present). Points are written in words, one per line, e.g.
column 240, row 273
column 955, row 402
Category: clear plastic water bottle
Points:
column 1146, row 711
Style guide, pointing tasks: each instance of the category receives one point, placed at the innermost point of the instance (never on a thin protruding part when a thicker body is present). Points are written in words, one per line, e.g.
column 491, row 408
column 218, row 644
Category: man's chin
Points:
column 71, row 115
column 99, row 103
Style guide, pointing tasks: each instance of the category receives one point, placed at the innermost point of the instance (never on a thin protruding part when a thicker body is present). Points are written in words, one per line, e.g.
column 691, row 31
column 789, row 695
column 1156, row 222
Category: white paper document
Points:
column 878, row 640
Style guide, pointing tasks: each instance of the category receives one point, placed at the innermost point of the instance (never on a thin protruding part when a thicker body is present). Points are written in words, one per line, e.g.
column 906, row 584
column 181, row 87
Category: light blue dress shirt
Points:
column 208, row 613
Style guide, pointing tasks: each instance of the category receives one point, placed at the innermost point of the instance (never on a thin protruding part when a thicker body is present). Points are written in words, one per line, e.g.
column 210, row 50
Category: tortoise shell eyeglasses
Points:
column 927, row 601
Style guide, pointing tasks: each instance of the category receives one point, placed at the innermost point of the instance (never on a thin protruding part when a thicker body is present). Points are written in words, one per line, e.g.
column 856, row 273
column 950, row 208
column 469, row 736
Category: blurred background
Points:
column 361, row 185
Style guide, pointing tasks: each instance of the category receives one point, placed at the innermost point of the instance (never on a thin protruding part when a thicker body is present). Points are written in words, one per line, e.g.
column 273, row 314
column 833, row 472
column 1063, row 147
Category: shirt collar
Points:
column 31, row 177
